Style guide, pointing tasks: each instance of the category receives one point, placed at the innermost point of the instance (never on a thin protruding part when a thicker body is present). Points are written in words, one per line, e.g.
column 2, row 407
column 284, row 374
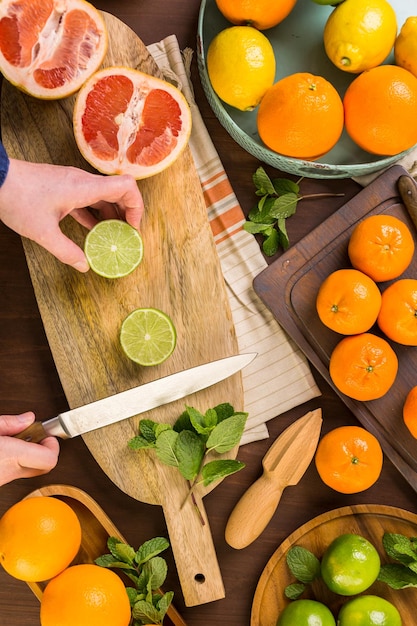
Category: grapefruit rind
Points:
column 128, row 122
column 36, row 48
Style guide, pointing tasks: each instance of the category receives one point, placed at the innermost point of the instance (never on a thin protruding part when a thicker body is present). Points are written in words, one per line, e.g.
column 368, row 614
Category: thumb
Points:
column 65, row 250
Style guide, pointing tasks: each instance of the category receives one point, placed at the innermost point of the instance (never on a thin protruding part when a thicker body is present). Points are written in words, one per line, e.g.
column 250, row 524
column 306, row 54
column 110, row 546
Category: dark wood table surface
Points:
column 29, row 380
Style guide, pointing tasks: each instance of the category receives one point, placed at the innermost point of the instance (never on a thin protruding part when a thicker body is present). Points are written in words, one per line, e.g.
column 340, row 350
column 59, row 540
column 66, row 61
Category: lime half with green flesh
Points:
column 113, row 248
column 148, row 336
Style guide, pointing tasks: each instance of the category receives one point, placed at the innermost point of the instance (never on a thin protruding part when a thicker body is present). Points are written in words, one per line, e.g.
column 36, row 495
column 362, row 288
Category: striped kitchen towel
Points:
column 280, row 377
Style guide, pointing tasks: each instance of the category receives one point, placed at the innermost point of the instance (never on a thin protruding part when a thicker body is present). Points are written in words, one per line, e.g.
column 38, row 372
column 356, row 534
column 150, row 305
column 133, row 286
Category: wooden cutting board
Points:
column 370, row 521
column 180, row 274
column 289, row 288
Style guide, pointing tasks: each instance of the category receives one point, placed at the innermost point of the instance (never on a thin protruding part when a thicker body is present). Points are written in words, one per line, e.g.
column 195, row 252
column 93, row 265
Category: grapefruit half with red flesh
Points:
column 48, row 48
column 129, row 122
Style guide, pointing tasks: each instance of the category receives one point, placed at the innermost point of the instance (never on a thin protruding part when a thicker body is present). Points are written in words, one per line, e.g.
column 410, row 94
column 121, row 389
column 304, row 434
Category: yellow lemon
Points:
column 405, row 47
column 241, row 66
column 360, row 34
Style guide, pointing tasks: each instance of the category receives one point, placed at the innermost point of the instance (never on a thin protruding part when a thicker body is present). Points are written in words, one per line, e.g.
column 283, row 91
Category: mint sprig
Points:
column 403, row 550
column 148, row 571
column 278, row 201
column 305, row 567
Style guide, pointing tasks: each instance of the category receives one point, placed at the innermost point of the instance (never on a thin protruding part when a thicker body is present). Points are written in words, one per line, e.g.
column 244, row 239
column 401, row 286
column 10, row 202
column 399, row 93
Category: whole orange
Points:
column 85, row 594
column 348, row 302
column 349, row 459
column 301, row 116
column 261, row 14
column 398, row 315
column 380, row 110
column 363, row 367
column 381, row 246
column 410, row 411
column 39, row 537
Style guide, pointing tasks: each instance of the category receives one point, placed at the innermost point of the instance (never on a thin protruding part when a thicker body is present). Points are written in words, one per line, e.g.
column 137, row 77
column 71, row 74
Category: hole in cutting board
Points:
column 200, row 578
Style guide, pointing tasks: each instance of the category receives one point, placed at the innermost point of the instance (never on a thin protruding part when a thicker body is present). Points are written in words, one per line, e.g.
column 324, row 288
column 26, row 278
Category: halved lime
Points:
column 148, row 336
column 113, row 248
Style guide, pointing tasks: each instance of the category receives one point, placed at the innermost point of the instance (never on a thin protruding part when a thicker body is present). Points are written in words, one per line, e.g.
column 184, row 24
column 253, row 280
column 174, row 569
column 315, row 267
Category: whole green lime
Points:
column 306, row 613
column 369, row 611
column 350, row 564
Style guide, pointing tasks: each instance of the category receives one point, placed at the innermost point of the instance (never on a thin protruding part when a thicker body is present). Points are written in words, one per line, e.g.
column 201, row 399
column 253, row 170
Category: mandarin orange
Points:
column 363, row 367
column 380, row 110
column 349, row 459
column 348, row 302
column 410, row 411
column 381, row 246
column 301, row 116
column 260, row 14
column 398, row 314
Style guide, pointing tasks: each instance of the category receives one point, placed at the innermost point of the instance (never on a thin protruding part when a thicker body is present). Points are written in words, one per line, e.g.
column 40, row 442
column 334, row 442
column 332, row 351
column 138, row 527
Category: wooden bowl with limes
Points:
column 298, row 45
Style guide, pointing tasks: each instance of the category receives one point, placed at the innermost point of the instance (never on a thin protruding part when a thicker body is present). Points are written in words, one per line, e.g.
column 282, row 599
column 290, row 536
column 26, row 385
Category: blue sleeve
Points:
column 4, row 164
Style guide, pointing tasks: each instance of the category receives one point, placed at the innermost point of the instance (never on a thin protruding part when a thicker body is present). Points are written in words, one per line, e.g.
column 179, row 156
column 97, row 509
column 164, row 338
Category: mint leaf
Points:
column 215, row 470
column 150, row 549
column 294, row 591
column 399, row 547
column 285, row 185
column 284, row 206
column 397, row 576
column 271, row 244
column 224, row 411
column 202, row 424
column 146, row 612
column 156, row 571
column 262, row 182
column 227, row 434
column 303, row 564
column 189, row 449
column 165, row 447
column 147, row 430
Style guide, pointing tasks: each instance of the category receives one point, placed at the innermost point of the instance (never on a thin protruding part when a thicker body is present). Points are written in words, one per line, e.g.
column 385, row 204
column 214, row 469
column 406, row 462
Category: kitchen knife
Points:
column 136, row 400
column 283, row 465
column 408, row 192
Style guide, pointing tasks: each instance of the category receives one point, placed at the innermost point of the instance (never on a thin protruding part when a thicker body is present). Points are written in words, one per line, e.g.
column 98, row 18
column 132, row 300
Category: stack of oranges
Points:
column 302, row 115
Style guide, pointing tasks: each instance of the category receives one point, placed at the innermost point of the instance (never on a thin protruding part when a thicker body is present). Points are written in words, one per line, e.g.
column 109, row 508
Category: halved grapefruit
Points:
column 128, row 122
column 48, row 48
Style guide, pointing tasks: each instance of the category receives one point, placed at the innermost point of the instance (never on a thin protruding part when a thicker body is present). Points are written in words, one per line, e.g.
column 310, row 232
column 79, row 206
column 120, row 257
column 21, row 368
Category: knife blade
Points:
column 408, row 192
column 137, row 400
column 284, row 464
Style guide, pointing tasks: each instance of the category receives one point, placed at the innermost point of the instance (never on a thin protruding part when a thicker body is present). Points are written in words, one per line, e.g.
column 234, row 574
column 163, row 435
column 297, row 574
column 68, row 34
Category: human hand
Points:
column 35, row 197
column 22, row 459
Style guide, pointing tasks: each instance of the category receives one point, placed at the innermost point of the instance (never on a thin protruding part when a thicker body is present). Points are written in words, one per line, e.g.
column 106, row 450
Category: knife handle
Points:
column 34, row 433
column 408, row 191
column 254, row 511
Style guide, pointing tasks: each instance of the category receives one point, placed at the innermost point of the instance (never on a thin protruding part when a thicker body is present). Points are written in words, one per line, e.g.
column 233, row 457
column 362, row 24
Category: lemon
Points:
column 241, row 66
column 148, row 336
column 405, row 47
column 360, row 34
column 113, row 248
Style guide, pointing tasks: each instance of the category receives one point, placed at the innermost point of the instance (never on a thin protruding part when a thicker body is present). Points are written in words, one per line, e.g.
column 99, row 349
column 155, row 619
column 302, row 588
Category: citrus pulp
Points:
column 241, row 66
column 113, row 248
column 369, row 610
column 39, row 537
column 49, row 48
column 148, row 336
column 360, row 34
column 85, row 594
column 128, row 122
column 350, row 564
column 306, row 613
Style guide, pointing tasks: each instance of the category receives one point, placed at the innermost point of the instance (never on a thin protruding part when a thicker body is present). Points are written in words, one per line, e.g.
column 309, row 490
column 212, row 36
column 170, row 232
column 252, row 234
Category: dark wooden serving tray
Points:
column 289, row 286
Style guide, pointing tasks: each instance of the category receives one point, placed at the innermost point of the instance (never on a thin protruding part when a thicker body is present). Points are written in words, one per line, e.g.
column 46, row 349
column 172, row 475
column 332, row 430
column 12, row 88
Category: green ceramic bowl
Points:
column 298, row 47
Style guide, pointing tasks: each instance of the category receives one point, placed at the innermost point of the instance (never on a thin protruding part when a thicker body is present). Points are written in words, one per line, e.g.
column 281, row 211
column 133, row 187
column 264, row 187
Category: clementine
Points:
column 261, row 14
column 381, row 246
column 348, row 302
column 398, row 315
column 301, row 116
column 39, row 537
column 363, row 367
column 380, row 110
column 85, row 594
column 410, row 411
column 349, row 459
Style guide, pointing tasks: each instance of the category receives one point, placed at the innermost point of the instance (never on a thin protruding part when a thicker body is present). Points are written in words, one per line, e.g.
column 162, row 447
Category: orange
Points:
column 349, row 459
column 363, row 367
column 380, row 110
column 398, row 315
column 49, row 48
column 410, row 411
column 348, row 302
column 39, row 537
column 261, row 14
column 301, row 116
column 381, row 246
column 85, row 594
column 128, row 122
